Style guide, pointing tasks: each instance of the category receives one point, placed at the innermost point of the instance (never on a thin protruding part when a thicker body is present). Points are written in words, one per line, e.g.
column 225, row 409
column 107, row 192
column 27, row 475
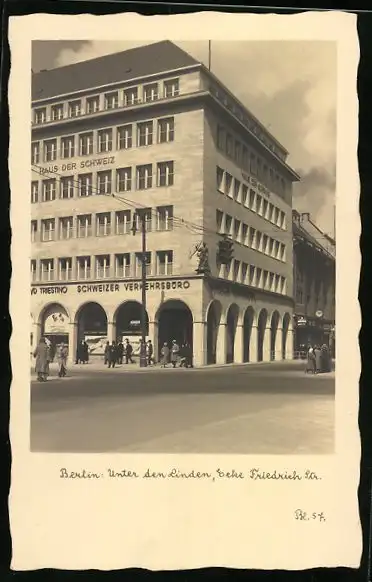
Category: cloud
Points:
column 289, row 86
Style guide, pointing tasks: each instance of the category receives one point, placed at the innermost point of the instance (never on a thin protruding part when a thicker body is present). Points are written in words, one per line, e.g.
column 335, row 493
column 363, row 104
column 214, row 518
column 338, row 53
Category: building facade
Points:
column 130, row 132
column 315, row 292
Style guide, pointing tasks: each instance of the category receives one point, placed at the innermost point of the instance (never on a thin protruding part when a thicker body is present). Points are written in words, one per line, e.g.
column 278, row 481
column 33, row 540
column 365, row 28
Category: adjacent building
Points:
column 153, row 130
column 314, row 275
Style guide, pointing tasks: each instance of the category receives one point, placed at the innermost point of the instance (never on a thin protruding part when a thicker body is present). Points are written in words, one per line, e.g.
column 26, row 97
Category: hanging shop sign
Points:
column 301, row 321
column 56, row 322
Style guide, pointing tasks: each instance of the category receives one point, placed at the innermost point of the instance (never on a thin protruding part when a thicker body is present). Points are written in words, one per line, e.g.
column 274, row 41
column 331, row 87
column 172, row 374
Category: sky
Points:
column 290, row 86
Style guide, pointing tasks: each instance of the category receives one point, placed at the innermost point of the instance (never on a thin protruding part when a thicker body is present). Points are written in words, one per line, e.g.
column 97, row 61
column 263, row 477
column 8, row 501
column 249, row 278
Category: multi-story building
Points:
column 152, row 129
column 314, row 276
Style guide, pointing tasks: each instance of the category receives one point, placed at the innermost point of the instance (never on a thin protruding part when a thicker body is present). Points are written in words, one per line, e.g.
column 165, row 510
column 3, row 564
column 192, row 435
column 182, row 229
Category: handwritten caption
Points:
column 254, row 474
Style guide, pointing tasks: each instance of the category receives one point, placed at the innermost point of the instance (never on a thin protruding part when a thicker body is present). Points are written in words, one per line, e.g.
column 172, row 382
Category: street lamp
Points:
column 142, row 218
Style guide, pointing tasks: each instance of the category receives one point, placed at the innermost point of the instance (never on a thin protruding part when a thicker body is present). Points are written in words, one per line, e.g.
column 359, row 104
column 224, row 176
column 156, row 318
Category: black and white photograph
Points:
column 185, row 389
column 183, row 246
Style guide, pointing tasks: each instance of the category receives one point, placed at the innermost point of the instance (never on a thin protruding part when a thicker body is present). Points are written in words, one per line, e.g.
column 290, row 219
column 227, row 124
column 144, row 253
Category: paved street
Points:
column 251, row 409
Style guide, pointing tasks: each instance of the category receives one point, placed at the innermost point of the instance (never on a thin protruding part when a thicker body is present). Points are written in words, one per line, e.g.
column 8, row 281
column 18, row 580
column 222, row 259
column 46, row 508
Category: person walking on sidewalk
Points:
column 164, row 355
column 42, row 360
column 106, row 353
column 128, row 350
column 120, row 352
column 310, row 364
column 62, row 353
column 150, row 353
column 112, row 355
column 175, row 351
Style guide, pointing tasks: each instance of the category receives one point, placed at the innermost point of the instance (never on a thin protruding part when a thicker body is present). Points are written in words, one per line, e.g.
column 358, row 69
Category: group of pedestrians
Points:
column 115, row 353
column 82, row 353
column 318, row 359
column 175, row 354
column 45, row 354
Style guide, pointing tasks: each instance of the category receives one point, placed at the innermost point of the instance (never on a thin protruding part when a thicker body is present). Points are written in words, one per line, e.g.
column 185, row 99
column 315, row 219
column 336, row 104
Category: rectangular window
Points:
column 124, row 137
column 245, row 158
column 164, row 218
column 171, row 88
column 150, row 92
column 86, row 144
column 165, row 174
column 102, row 266
column 92, row 104
column 259, row 278
column 236, row 267
column 50, row 150
column 219, row 217
column 139, row 264
column 245, row 195
column 265, row 240
column 104, row 140
column 131, row 96
column 65, row 269
column 229, row 146
column 265, row 210
column 66, row 227
column 228, row 224
column 144, row 177
column 244, row 238
column 74, row 108
column 259, row 204
column 220, row 181
column 258, row 240
column 49, row 190
column 144, row 133
column 34, row 192
column 221, row 138
column 122, row 265
column 111, row 100
column 104, row 182
column 252, row 275
column 33, row 230
column 47, row 229
column 84, row 225
column 253, row 164
column 85, row 184
column 68, row 146
column 237, row 224
column 164, row 263
column 103, row 224
column 236, row 190
column 252, row 238
column 123, row 179
column 166, row 130
column 35, row 152
column 47, row 269
column 238, row 153
column 228, row 184
column 122, row 222
column 83, row 268
column 57, row 112
column 147, row 212
column 33, row 270
column 243, row 277
column 67, row 187
column 40, row 115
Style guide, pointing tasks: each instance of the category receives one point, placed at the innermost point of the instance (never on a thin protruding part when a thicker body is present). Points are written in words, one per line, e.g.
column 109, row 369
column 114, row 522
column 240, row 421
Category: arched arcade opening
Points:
column 175, row 322
column 247, row 333
column 261, row 330
column 91, row 320
column 231, row 326
column 213, row 323
column 128, row 319
column 274, row 355
column 54, row 324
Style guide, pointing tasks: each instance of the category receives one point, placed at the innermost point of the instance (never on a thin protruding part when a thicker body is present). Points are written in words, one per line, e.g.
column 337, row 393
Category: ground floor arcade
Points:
column 222, row 327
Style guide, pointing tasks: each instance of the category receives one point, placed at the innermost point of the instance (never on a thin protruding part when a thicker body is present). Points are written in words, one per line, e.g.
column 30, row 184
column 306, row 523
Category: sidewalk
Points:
column 98, row 366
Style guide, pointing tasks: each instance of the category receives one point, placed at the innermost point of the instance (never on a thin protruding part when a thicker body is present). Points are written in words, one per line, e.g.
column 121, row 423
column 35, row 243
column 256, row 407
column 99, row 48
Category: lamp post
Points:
column 142, row 218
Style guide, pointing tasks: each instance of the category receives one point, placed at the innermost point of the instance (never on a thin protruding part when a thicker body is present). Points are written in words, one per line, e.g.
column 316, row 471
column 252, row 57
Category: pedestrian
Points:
column 182, row 355
column 318, row 359
column 128, row 350
column 150, row 353
column 120, row 352
column 85, row 353
column 310, row 364
column 62, row 353
column 42, row 360
column 112, row 355
column 80, row 352
column 325, row 359
column 164, row 355
column 106, row 353
column 175, row 350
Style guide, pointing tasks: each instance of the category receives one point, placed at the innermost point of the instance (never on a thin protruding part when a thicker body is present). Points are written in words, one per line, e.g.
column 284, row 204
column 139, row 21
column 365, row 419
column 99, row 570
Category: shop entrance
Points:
column 55, row 326
column 175, row 322
column 92, row 328
column 128, row 320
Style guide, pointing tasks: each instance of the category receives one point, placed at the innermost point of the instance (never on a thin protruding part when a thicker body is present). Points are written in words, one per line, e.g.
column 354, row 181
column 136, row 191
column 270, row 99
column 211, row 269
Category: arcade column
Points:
column 72, row 342
column 289, row 345
column 199, row 342
column 153, row 336
column 253, row 344
column 111, row 332
column 278, row 344
column 221, row 344
column 238, row 344
column 266, row 352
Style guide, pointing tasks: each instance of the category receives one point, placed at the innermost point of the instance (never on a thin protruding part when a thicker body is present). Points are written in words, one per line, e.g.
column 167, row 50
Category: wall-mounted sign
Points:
column 56, row 322
column 319, row 313
column 301, row 321
column 167, row 285
column 71, row 166
column 256, row 184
